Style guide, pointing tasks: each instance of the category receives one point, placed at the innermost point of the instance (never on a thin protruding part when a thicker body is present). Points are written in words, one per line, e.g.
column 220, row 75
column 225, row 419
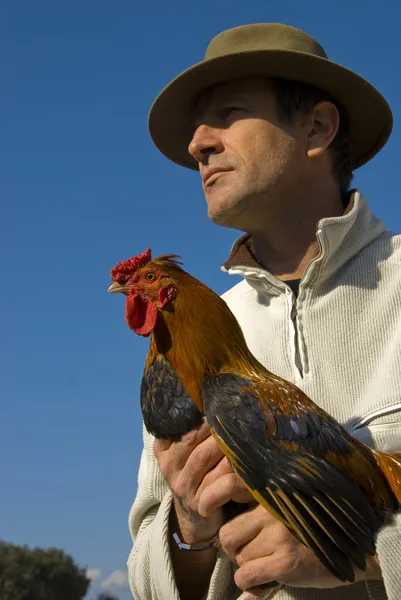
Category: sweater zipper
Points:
column 294, row 333
column 292, row 303
column 292, row 300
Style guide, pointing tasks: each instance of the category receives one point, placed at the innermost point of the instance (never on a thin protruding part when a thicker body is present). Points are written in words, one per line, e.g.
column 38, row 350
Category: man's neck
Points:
column 288, row 244
column 284, row 266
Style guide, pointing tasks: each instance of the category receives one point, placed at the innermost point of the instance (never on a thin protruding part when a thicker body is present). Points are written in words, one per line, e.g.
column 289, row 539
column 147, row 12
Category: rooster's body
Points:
column 330, row 490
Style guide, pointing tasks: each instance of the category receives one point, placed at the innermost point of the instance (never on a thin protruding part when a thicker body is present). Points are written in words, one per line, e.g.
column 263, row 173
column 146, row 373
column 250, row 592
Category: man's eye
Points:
column 228, row 111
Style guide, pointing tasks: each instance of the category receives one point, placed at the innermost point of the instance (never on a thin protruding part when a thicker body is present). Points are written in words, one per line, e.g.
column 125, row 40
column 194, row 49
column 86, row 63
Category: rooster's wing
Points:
column 279, row 449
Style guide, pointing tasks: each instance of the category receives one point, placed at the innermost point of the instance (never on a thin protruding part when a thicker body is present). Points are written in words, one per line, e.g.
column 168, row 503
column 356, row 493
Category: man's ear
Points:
column 325, row 124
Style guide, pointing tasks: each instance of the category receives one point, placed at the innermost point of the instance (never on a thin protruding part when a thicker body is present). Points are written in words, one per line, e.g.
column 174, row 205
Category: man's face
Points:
column 246, row 155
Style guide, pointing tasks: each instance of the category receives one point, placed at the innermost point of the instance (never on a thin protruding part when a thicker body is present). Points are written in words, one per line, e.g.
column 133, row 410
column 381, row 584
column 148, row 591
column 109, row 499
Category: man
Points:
column 276, row 130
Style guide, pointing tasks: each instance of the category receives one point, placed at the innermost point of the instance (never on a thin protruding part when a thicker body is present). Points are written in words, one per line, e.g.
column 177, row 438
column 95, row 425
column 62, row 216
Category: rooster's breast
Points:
column 167, row 409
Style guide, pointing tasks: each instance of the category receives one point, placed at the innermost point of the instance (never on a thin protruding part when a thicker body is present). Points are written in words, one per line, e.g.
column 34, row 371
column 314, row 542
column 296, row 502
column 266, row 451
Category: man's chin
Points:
column 226, row 216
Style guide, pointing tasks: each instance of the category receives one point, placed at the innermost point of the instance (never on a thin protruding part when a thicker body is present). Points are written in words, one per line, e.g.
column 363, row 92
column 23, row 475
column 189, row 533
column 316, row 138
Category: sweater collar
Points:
column 340, row 239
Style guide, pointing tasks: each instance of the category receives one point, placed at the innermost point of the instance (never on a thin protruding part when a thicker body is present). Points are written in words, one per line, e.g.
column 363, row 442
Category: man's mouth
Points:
column 210, row 174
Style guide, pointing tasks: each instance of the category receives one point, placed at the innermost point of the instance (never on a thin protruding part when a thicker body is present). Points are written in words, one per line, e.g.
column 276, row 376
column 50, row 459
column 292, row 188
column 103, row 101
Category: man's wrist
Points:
column 192, row 570
column 192, row 528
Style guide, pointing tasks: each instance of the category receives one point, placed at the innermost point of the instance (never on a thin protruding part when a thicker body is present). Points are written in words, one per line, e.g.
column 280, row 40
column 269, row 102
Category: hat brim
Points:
column 171, row 117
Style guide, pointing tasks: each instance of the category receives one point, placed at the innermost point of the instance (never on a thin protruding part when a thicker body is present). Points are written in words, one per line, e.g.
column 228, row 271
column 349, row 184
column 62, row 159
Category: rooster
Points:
column 330, row 490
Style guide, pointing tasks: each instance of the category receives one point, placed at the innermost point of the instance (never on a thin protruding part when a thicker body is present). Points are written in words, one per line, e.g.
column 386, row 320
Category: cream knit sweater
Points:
column 340, row 342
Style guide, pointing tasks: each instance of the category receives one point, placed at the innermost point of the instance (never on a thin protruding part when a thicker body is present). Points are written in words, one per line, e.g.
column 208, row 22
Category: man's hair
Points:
column 294, row 97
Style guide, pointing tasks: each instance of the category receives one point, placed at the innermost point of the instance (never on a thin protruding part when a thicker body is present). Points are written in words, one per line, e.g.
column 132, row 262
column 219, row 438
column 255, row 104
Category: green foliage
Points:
column 39, row 574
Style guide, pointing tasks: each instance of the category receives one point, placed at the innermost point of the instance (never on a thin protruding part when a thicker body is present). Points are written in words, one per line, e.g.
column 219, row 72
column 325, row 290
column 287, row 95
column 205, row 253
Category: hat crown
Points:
column 263, row 36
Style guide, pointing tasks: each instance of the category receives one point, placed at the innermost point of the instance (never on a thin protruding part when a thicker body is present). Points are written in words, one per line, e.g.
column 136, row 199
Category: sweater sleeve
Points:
column 386, row 437
column 150, row 570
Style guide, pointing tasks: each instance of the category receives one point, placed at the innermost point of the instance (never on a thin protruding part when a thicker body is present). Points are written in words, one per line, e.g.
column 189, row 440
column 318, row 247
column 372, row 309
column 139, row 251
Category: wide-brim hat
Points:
column 268, row 50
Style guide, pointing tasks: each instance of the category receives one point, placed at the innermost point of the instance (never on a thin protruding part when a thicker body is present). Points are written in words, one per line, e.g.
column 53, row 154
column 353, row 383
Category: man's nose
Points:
column 206, row 140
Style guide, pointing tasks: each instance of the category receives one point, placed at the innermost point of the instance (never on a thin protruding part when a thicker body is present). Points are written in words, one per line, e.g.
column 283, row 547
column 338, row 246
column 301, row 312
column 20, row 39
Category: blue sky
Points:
column 82, row 187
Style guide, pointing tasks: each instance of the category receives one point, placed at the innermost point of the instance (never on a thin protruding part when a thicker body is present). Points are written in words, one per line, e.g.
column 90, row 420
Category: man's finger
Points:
column 261, row 593
column 258, row 572
column 160, row 446
column 174, row 456
column 221, row 491
column 273, row 535
column 202, row 459
column 257, row 514
column 195, row 436
column 222, row 468
column 239, row 532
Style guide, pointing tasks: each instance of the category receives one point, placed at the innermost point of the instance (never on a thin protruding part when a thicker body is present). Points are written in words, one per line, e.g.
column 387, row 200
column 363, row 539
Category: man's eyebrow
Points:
column 205, row 104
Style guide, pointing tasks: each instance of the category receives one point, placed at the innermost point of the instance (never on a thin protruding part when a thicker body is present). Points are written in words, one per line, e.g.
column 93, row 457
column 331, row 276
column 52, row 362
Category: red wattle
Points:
column 140, row 315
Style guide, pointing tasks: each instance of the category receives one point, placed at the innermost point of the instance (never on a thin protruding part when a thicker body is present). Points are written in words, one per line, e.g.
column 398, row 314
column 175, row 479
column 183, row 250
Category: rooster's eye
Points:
column 150, row 276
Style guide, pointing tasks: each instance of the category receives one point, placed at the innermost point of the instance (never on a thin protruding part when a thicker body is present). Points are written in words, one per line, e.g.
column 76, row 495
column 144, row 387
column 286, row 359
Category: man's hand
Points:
column 266, row 551
column 190, row 466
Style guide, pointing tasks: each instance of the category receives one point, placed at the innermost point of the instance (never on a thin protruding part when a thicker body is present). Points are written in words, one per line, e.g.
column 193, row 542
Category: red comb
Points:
column 124, row 269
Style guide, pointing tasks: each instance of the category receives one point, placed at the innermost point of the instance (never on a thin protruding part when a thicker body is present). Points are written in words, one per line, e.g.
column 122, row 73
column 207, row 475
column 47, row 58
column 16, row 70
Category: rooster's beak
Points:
column 116, row 288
